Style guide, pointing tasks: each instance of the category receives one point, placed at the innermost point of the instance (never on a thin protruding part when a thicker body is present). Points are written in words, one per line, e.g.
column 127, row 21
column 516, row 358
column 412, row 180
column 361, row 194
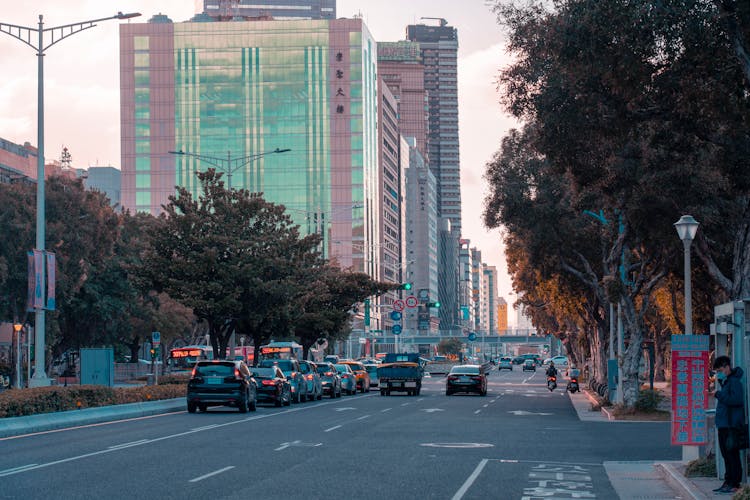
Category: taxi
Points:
column 360, row 372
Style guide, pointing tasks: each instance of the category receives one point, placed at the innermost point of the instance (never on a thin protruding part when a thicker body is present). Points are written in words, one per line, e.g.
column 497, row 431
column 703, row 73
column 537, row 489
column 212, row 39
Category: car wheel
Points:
column 243, row 406
column 296, row 398
column 320, row 396
column 333, row 394
column 278, row 402
column 448, row 393
column 203, row 407
column 254, row 404
column 382, row 392
column 191, row 407
column 288, row 401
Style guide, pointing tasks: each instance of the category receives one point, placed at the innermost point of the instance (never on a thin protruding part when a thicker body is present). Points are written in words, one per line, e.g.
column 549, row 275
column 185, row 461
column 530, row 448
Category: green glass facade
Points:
column 231, row 90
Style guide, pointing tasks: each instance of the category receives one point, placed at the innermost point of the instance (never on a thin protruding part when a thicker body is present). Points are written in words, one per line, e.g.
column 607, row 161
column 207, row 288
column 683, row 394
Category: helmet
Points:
column 551, row 364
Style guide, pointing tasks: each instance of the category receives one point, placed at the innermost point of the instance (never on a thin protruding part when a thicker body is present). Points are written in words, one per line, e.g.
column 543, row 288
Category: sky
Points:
column 82, row 103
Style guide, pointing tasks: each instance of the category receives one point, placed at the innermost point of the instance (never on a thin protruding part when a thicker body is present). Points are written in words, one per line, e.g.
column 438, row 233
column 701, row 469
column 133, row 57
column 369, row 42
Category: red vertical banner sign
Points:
column 689, row 389
column 50, row 281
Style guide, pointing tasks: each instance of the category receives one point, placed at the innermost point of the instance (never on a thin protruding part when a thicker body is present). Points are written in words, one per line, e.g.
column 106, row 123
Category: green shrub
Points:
column 20, row 402
column 648, row 401
column 174, row 379
column 702, row 467
column 742, row 494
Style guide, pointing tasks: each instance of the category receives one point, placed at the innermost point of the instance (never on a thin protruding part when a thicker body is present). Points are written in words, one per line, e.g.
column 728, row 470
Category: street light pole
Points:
column 686, row 228
column 57, row 33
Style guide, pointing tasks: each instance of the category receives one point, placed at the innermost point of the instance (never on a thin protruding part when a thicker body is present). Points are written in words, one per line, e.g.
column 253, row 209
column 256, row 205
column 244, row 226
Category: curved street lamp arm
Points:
column 10, row 28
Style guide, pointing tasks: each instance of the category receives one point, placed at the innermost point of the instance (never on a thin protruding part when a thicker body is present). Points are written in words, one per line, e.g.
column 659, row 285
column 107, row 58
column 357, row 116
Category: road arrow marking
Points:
column 432, row 410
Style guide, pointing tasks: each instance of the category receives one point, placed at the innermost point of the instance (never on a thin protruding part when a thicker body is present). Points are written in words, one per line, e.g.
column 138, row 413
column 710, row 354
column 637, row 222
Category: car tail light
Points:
column 268, row 382
column 310, row 377
column 237, row 374
column 574, row 380
column 329, row 374
column 452, row 377
column 195, row 372
column 476, row 378
column 293, row 374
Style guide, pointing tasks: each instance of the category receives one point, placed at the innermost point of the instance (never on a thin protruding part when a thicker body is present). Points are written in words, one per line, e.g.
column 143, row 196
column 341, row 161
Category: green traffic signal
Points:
column 405, row 286
column 433, row 304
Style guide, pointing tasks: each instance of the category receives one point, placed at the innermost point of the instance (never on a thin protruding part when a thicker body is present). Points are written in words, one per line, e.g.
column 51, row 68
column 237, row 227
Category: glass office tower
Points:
column 230, row 90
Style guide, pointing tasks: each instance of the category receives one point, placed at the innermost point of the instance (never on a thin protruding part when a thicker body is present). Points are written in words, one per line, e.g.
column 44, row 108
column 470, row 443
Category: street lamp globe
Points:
column 686, row 227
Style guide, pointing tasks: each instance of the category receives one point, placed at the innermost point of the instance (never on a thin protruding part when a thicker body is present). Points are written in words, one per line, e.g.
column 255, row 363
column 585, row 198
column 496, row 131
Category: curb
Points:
column 679, row 482
column 609, row 415
column 14, row 426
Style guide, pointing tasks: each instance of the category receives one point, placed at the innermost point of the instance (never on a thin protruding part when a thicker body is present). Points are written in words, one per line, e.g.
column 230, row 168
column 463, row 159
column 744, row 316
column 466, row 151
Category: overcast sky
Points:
column 82, row 85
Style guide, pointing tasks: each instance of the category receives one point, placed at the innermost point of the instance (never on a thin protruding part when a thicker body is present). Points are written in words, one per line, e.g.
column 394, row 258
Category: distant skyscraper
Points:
column 489, row 299
column 452, row 315
column 400, row 67
column 278, row 9
column 439, row 46
column 422, row 237
column 249, row 87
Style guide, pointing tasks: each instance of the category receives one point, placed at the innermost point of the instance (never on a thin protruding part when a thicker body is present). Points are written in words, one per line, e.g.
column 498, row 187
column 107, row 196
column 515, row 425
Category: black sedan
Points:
column 221, row 383
column 466, row 378
column 273, row 385
column 330, row 379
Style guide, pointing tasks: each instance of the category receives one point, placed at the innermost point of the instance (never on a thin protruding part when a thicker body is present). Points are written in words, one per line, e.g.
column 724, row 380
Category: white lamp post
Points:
column 686, row 227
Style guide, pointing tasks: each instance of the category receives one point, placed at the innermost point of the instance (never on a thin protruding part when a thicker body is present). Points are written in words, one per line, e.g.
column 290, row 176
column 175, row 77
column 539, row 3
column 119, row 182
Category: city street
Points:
column 518, row 441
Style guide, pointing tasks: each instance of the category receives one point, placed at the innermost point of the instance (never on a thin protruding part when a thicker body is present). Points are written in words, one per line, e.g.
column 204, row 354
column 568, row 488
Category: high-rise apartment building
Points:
column 465, row 285
column 105, row 179
column 17, row 162
column 439, row 48
column 233, row 90
column 277, row 9
column 400, row 67
column 452, row 313
column 489, row 299
column 477, row 286
column 421, row 239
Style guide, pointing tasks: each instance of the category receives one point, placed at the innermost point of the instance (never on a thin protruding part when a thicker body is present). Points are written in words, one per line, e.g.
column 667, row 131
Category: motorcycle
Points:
column 551, row 383
column 573, row 385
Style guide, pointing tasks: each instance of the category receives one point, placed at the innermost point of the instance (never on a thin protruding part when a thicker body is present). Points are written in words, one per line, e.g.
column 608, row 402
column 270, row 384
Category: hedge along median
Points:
column 38, row 400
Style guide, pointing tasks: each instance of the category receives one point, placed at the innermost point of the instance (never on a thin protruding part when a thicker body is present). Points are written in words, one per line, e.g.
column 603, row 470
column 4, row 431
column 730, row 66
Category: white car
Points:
column 560, row 361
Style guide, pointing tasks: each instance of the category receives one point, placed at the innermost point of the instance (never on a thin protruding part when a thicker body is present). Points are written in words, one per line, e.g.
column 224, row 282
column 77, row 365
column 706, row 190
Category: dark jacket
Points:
column 730, row 409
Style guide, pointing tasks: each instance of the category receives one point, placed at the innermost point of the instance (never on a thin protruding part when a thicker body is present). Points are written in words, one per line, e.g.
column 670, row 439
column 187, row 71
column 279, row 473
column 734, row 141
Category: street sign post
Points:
column 398, row 305
column 396, row 329
column 411, row 301
column 690, row 380
column 472, row 336
column 396, row 315
column 155, row 338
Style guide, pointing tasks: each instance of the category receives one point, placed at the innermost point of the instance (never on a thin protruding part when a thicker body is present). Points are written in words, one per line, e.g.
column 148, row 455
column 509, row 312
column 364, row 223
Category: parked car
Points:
column 348, row 378
column 291, row 370
column 312, row 379
column 273, row 385
column 221, row 383
column 329, row 379
column 372, row 371
column 529, row 364
column 363, row 378
column 466, row 378
column 505, row 364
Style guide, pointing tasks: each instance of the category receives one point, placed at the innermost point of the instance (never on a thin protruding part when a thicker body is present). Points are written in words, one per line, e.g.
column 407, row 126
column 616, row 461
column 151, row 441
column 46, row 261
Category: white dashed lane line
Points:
column 201, row 478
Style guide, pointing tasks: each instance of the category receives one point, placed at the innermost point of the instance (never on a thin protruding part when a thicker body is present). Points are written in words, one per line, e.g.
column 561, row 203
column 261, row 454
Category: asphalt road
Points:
column 520, row 441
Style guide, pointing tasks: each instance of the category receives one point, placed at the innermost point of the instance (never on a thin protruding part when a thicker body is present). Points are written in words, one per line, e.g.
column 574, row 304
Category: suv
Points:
column 529, row 364
column 221, row 383
column 312, row 378
column 505, row 364
column 291, row 370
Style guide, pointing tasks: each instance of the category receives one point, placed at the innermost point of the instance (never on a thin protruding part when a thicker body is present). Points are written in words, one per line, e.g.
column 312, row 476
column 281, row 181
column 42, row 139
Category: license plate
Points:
column 214, row 380
column 411, row 384
column 465, row 380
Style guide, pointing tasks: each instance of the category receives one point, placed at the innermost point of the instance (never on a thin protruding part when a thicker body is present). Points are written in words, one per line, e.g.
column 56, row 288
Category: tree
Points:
column 450, row 346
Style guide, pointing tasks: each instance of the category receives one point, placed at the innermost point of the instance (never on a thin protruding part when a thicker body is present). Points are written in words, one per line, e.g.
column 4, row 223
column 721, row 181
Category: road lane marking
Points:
column 485, row 406
column 362, row 417
column 387, row 409
column 164, row 438
column 127, row 445
column 470, row 480
column 205, row 427
column 283, row 446
column 16, row 469
column 201, row 478
column 420, row 399
column 477, row 412
column 405, row 404
column 332, row 428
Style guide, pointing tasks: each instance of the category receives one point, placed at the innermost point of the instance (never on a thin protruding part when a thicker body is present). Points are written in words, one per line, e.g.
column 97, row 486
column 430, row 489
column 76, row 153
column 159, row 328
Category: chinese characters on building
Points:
column 689, row 385
column 340, row 75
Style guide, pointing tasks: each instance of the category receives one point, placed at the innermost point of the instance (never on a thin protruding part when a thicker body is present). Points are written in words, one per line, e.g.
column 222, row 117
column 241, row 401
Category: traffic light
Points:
column 433, row 304
column 153, row 353
column 405, row 286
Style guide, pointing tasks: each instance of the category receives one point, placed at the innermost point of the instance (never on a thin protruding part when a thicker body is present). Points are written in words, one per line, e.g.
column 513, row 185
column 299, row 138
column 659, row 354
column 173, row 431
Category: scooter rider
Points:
column 551, row 372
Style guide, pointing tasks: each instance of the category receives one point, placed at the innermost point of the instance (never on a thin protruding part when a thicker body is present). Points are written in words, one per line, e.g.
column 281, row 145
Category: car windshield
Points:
column 465, row 370
column 322, row 369
column 286, row 365
column 505, row 360
column 356, row 367
column 372, row 369
column 264, row 372
column 529, row 361
column 215, row 370
column 304, row 368
column 343, row 368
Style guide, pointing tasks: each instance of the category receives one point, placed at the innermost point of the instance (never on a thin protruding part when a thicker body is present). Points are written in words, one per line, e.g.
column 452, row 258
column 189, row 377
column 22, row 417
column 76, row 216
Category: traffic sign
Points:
column 411, row 301
column 398, row 305
column 472, row 336
column 396, row 329
column 155, row 338
column 396, row 315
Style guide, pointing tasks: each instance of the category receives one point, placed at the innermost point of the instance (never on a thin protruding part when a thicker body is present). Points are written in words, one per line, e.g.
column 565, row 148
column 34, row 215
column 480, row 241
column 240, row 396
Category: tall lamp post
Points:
column 686, row 227
column 56, row 33
column 228, row 165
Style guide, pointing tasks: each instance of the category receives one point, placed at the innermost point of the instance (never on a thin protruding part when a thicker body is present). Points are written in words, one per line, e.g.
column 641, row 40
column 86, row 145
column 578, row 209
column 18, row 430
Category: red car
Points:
column 466, row 378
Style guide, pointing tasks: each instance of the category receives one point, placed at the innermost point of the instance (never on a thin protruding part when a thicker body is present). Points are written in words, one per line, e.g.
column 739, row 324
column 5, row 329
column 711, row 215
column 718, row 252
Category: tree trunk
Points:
column 134, row 346
column 631, row 359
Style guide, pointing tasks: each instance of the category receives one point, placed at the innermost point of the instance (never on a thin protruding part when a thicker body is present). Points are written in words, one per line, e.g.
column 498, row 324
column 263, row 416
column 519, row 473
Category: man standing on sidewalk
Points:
column 730, row 414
